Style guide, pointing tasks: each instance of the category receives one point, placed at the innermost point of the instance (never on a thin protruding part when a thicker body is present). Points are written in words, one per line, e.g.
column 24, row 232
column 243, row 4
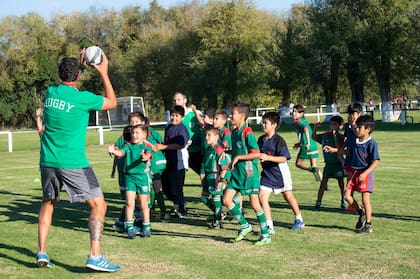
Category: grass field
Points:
column 327, row 247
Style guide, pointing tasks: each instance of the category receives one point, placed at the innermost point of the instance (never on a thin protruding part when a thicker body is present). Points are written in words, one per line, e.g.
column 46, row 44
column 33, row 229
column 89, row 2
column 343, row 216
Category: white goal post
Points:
column 119, row 115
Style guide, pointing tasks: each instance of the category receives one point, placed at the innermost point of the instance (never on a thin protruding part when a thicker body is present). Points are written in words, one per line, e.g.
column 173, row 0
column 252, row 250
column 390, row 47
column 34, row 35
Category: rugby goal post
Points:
column 119, row 115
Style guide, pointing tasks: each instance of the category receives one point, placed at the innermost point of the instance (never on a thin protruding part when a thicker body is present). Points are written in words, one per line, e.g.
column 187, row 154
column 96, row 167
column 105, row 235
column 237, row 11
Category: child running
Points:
column 245, row 177
column 331, row 142
column 364, row 159
column 275, row 174
column 308, row 148
column 213, row 174
column 137, row 161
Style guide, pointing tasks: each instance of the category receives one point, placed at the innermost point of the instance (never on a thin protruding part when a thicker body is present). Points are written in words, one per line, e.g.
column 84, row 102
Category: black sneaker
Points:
column 367, row 228
column 361, row 222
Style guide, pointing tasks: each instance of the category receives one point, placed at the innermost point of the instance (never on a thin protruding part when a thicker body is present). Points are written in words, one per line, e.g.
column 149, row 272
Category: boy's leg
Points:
column 367, row 227
column 321, row 190
column 264, row 197
column 177, row 191
column 235, row 209
column 255, row 203
column 157, row 185
column 291, row 200
column 341, row 186
column 143, row 200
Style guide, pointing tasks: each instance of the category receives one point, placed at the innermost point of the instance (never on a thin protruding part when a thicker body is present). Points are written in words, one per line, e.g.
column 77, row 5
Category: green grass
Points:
column 327, row 247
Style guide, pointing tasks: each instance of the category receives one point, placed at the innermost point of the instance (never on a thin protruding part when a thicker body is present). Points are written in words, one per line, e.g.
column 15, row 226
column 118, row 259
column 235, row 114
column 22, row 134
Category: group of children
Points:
column 229, row 166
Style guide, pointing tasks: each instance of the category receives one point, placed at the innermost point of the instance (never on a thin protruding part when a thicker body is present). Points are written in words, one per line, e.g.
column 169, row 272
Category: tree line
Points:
column 322, row 51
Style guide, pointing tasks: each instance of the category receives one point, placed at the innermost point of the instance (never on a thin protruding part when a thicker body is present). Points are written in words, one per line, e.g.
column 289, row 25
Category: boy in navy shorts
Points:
column 364, row 159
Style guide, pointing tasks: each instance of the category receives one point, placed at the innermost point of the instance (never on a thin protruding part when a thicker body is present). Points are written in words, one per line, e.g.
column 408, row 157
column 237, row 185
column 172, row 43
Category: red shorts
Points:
column 354, row 184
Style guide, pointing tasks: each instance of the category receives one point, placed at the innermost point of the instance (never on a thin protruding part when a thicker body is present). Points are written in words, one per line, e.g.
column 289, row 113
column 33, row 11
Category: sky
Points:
column 47, row 8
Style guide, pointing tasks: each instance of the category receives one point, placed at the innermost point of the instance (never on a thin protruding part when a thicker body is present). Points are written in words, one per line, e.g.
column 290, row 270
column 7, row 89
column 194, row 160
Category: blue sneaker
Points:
column 133, row 232
column 119, row 226
column 43, row 260
column 101, row 264
column 297, row 225
column 145, row 234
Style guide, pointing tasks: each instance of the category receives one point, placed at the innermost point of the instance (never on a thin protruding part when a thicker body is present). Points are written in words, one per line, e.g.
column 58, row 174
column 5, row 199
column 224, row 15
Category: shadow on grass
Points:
column 26, row 252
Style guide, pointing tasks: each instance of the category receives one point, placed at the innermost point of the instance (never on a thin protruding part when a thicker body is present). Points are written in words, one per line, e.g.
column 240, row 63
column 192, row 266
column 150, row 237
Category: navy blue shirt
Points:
column 363, row 154
column 271, row 174
column 176, row 134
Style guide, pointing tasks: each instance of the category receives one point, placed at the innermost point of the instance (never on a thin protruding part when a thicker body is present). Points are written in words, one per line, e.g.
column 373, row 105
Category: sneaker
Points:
column 263, row 241
column 215, row 226
column 297, row 225
column 164, row 216
column 180, row 214
column 317, row 174
column 367, row 228
column 361, row 222
column 242, row 233
column 145, row 234
column 119, row 226
column 223, row 215
column 343, row 205
column 101, row 264
column 43, row 260
column 317, row 206
column 133, row 232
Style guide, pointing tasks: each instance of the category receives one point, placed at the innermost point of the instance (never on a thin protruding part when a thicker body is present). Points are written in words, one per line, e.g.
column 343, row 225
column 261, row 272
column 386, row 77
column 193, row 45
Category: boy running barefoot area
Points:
column 308, row 148
column 137, row 160
column 331, row 142
column 364, row 159
column 213, row 174
column 275, row 174
column 245, row 178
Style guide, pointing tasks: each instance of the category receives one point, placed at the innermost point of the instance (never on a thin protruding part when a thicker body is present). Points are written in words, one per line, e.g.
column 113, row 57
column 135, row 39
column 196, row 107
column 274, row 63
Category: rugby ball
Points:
column 93, row 55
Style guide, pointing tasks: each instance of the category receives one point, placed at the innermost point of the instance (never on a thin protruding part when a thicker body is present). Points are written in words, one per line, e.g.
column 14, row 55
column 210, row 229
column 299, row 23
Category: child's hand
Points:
column 307, row 146
column 329, row 149
column 111, row 149
column 221, row 185
column 264, row 157
column 146, row 156
column 39, row 112
column 296, row 146
column 362, row 176
column 234, row 161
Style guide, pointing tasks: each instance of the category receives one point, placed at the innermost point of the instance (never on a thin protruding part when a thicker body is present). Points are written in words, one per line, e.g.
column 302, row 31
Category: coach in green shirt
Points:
column 63, row 157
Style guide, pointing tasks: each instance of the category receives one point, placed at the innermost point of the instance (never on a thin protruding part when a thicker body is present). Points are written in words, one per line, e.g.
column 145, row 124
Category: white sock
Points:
column 270, row 224
column 299, row 217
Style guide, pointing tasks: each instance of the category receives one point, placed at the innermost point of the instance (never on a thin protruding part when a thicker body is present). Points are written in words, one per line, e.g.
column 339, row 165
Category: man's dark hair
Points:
column 68, row 69
column 273, row 117
column 178, row 110
column 367, row 121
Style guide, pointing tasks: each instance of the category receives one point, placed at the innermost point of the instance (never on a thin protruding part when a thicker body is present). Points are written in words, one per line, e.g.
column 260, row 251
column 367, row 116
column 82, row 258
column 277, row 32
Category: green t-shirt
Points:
column 194, row 130
column 66, row 116
column 158, row 162
column 244, row 142
column 133, row 158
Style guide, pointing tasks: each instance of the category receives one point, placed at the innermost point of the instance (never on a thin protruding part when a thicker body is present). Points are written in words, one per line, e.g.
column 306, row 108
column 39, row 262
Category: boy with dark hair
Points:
column 137, row 156
column 173, row 177
column 213, row 174
column 275, row 174
column 245, row 178
column 364, row 159
column 308, row 148
column 331, row 142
